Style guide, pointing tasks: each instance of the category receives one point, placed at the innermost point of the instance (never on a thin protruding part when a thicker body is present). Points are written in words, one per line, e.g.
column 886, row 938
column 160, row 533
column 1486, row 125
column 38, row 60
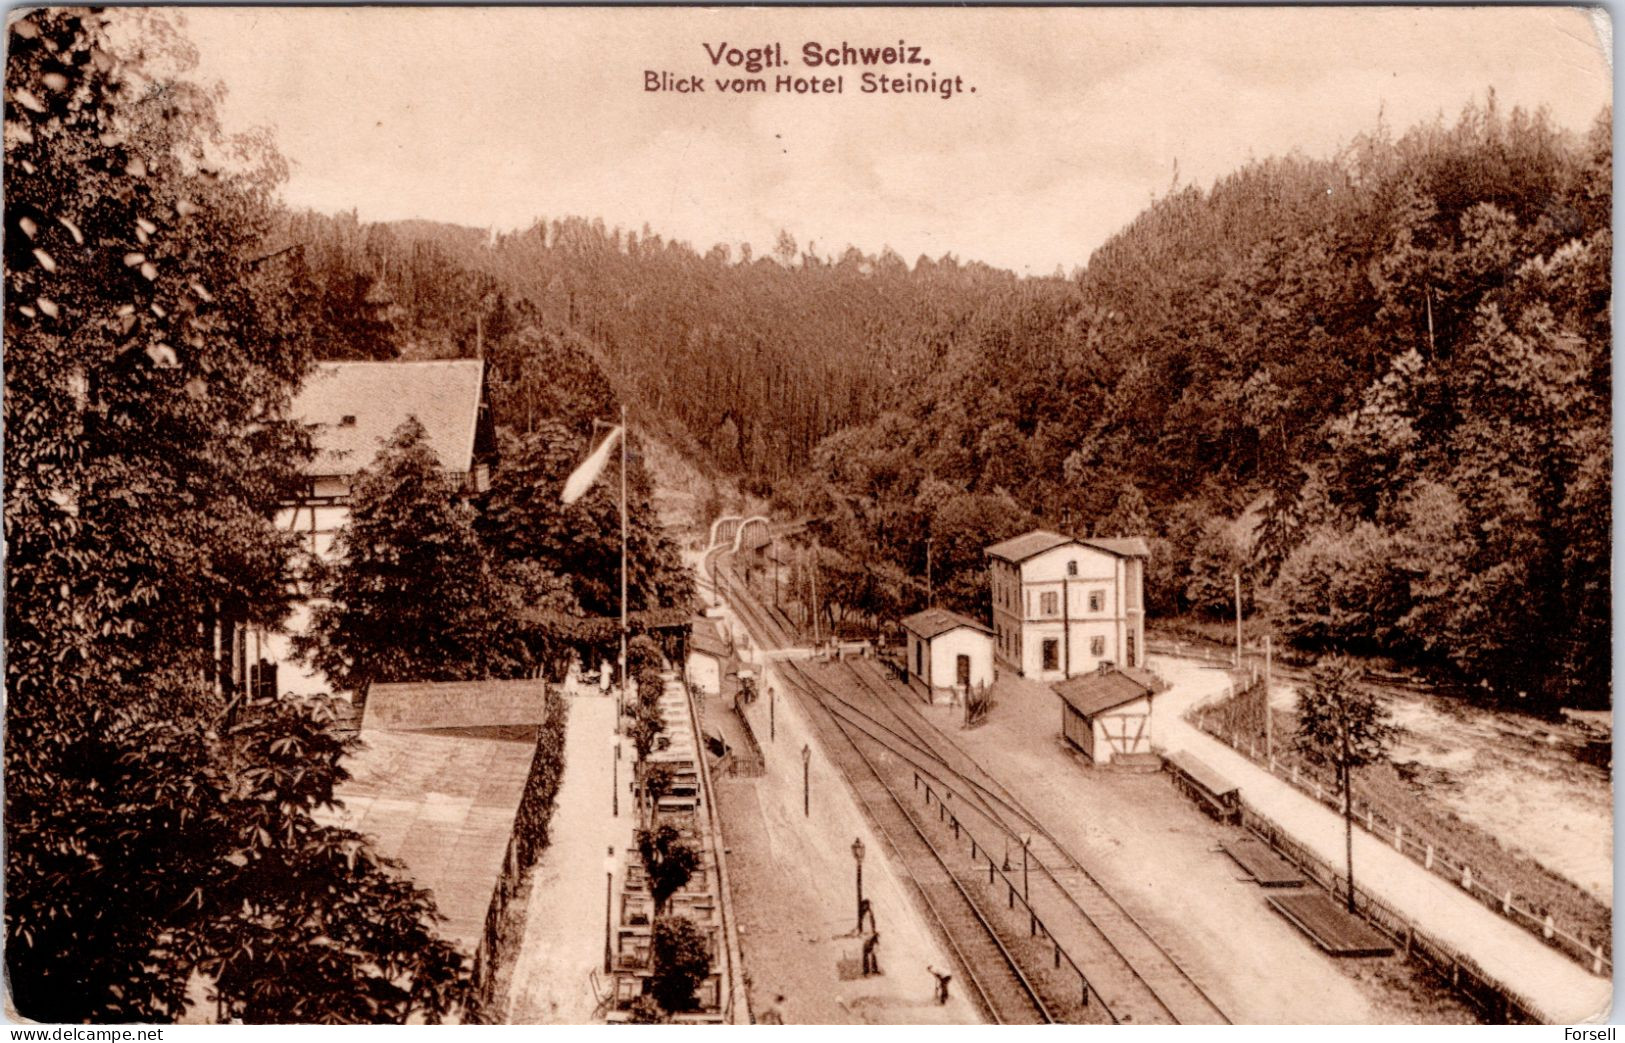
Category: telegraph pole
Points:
column 815, row 590
column 1269, row 725
column 930, row 599
column 624, row 434
column 1238, row 621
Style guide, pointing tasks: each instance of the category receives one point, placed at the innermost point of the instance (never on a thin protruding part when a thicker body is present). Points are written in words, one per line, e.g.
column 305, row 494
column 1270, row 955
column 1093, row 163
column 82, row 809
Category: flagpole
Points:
column 623, row 562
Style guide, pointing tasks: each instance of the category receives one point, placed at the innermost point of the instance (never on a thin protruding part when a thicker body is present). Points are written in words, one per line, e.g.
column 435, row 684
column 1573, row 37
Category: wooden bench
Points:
column 1261, row 863
column 1330, row 925
column 1217, row 795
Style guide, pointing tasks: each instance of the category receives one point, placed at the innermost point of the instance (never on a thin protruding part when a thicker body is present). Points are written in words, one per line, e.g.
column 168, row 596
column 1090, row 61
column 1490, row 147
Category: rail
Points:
column 929, row 762
column 989, row 1001
column 1036, row 927
column 1153, row 959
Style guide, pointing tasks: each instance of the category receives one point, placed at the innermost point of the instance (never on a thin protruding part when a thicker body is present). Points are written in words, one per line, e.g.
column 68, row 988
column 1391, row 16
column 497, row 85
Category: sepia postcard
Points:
column 808, row 515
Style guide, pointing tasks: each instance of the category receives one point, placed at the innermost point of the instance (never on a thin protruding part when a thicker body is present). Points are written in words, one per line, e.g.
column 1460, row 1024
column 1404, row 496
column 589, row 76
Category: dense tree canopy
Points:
column 411, row 594
column 156, row 818
column 1400, row 351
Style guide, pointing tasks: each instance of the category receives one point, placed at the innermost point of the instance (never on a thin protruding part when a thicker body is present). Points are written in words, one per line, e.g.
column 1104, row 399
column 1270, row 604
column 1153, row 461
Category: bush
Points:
column 669, row 861
column 542, row 787
column 645, row 1011
column 682, row 961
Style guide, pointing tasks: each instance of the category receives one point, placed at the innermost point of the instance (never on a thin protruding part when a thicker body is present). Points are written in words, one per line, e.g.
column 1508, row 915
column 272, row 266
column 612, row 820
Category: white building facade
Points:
column 947, row 651
column 1062, row 605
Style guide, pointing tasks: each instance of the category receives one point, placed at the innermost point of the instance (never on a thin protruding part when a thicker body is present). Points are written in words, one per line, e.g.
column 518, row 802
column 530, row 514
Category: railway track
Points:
column 986, row 965
column 1136, row 977
column 1171, row 988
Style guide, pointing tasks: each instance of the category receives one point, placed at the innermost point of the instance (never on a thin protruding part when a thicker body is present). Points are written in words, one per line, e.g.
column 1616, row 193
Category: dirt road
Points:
column 1560, row 989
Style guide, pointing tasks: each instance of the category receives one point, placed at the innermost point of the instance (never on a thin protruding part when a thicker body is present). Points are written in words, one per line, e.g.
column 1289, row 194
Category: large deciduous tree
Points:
column 1341, row 723
column 151, row 809
column 522, row 519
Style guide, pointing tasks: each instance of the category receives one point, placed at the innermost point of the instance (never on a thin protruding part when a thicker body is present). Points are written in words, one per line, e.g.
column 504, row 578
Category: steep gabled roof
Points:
column 1123, row 547
column 1019, row 548
column 1101, row 690
column 355, row 407
column 935, row 621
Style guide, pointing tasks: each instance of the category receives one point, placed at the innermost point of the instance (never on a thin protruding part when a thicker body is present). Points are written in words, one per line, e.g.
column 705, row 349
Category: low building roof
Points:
column 1019, row 548
column 704, row 637
column 427, row 705
column 1101, row 690
column 1201, row 773
column 1122, row 546
column 444, row 803
column 354, row 408
column 934, row 622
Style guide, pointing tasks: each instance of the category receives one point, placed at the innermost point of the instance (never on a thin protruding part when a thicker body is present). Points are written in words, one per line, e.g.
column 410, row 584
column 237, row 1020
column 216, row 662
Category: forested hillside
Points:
column 1377, row 384
column 746, row 363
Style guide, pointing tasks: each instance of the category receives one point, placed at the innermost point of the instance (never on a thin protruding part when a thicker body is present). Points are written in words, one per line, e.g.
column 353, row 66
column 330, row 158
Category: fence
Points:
column 1386, row 825
column 1180, row 650
column 1013, row 894
column 736, row 997
column 525, row 843
column 749, row 762
column 1495, row 1001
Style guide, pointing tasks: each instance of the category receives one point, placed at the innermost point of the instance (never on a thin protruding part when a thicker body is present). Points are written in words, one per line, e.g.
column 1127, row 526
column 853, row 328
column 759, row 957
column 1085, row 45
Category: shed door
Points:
column 962, row 670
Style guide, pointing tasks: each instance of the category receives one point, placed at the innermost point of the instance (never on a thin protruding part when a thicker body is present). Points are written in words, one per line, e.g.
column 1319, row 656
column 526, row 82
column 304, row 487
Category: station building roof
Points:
column 1019, row 548
column 934, row 622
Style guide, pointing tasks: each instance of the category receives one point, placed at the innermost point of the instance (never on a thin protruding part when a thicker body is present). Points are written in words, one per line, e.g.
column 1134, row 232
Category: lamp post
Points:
column 806, row 790
column 857, row 857
column 772, row 703
column 615, row 776
column 609, row 903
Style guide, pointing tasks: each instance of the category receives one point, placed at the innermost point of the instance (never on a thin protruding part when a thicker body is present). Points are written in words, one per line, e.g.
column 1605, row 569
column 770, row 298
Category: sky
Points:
column 493, row 117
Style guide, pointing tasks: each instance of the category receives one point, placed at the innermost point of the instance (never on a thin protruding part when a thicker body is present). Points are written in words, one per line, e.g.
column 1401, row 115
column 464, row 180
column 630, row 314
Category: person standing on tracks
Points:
column 871, row 953
column 942, row 984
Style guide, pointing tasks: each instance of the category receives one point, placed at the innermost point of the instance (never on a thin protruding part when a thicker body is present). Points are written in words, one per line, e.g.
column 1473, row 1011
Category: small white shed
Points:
column 948, row 651
column 707, row 656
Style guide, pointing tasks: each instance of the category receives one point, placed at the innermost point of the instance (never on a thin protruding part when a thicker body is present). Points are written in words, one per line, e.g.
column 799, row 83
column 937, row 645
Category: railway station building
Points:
column 947, row 651
column 1063, row 605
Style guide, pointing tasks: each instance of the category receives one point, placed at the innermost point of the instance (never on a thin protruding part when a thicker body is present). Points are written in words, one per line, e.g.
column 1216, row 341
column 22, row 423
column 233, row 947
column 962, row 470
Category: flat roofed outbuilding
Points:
column 708, row 655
